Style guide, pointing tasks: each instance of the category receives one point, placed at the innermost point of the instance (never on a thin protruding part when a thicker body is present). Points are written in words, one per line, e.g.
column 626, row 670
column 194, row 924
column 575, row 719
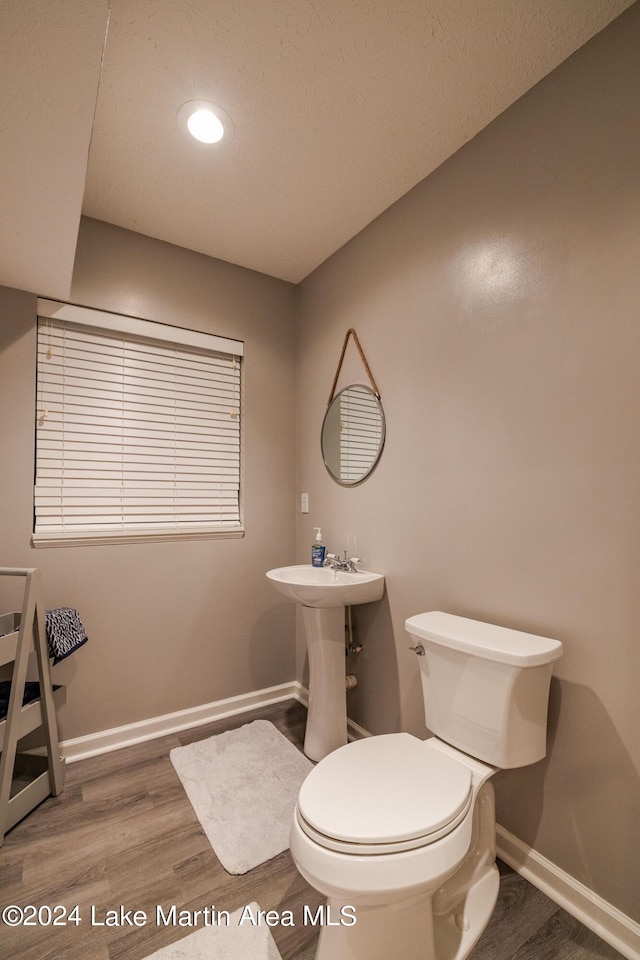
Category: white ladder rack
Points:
column 27, row 779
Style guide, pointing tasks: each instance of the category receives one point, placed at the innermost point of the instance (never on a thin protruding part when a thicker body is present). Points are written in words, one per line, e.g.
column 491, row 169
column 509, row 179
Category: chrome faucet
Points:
column 337, row 564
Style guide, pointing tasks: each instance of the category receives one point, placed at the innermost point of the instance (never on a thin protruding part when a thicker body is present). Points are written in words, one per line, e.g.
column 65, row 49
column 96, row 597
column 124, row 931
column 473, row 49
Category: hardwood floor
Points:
column 123, row 834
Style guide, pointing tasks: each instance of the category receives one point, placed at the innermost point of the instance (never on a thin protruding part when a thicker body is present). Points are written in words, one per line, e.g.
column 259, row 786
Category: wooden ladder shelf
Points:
column 25, row 778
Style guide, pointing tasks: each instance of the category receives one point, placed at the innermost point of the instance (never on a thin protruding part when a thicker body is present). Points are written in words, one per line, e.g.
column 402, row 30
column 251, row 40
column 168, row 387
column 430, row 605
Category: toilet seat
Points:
column 384, row 794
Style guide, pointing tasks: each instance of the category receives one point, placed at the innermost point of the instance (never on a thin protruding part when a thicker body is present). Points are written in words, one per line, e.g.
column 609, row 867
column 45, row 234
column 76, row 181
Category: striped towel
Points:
column 65, row 632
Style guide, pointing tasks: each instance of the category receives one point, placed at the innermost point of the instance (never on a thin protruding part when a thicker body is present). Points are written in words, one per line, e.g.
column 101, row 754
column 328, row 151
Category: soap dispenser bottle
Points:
column 318, row 550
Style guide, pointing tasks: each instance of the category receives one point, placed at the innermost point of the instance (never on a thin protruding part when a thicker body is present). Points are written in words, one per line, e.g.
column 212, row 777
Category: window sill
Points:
column 97, row 537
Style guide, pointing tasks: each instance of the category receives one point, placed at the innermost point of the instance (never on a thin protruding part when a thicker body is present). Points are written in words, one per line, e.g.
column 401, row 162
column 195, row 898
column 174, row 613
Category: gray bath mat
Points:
column 243, row 787
column 236, row 941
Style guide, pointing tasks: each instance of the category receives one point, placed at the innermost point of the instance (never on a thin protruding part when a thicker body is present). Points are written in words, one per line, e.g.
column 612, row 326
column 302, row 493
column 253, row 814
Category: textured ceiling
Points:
column 50, row 56
column 339, row 106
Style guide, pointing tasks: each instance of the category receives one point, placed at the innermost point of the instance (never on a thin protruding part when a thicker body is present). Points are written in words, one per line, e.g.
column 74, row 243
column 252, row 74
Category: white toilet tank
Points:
column 486, row 688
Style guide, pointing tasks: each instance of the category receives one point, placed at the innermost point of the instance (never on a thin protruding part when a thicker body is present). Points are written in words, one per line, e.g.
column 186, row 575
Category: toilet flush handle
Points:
column 418, row 650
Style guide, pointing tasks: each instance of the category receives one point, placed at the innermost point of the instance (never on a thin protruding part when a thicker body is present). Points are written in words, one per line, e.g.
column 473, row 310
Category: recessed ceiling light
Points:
column 205, row 121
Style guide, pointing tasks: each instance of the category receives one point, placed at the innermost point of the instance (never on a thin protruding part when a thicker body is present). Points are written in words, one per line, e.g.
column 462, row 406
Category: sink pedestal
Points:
column 327, row 715
column 323, row 593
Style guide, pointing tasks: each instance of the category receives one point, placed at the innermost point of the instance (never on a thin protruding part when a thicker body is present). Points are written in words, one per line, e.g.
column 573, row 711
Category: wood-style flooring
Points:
column 123, row 834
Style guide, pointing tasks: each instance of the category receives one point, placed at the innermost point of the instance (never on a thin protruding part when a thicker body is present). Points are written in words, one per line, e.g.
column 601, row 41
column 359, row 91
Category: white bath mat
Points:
column 235, row 941
column 243, row 786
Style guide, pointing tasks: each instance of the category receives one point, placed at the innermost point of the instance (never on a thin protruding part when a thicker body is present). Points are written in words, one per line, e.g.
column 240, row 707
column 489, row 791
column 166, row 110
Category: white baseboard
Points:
column 106, row 740
column 609, row 923
column 355, row 731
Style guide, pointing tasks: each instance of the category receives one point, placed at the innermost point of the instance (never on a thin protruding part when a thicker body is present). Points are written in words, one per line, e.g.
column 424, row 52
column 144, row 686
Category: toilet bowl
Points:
column 434, row 813
column 399, row 833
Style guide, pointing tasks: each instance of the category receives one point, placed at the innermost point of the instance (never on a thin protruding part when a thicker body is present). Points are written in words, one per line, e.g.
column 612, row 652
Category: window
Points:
column 138, row 429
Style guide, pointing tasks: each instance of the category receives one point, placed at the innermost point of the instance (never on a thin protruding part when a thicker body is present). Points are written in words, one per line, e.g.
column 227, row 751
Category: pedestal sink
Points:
column 323, row 593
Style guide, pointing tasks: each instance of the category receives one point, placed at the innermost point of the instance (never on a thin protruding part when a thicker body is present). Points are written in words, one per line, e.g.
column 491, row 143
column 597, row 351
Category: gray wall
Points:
column 497, row 304
column 171, row 625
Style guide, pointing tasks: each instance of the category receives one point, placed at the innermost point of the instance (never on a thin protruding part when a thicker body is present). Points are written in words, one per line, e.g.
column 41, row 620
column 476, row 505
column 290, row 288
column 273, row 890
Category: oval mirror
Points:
column 353, row 433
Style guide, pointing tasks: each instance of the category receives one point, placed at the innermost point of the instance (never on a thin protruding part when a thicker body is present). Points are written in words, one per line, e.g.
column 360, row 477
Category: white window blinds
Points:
column 360, row 433
column 137, row 434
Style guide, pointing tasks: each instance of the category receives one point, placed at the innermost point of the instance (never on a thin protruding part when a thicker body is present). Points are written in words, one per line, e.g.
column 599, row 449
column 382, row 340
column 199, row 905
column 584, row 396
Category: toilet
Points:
column 399, row 833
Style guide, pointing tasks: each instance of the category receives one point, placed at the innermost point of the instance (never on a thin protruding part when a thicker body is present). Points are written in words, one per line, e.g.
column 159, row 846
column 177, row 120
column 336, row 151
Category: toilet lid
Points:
column 393, row 790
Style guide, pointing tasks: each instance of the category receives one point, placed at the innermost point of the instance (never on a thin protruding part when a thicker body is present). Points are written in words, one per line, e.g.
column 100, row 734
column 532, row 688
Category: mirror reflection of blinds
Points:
column 134, row 434
column 360, row 434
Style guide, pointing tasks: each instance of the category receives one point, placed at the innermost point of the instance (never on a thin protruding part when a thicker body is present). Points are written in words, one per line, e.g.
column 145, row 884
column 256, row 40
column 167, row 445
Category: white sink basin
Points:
column 324, row 587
